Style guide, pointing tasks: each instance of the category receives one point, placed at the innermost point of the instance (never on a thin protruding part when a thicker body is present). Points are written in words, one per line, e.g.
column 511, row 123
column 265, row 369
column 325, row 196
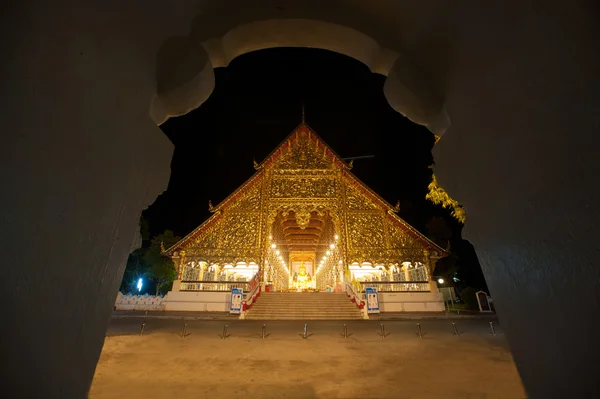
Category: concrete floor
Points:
column 438, row 365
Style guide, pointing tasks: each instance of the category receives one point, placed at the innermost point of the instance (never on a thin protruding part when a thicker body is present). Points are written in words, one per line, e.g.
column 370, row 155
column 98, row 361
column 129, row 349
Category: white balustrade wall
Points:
column 139, row 302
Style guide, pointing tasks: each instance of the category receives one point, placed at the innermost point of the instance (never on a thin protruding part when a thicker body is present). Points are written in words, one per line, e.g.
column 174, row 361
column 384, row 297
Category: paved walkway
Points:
column 170, row 315
column 326, row 365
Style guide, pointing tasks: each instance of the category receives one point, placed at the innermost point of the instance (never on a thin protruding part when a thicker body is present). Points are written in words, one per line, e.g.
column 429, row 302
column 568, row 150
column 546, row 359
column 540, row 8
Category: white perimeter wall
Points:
column 198, row 301
column 411, row 302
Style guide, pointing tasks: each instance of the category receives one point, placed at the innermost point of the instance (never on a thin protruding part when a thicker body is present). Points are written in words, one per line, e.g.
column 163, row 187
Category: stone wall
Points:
column 411, row 302
column 139, row 302
column 200, row 301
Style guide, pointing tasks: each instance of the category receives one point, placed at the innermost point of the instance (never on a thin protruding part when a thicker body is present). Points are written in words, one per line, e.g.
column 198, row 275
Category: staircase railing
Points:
column 356, row 298
column 253, row 294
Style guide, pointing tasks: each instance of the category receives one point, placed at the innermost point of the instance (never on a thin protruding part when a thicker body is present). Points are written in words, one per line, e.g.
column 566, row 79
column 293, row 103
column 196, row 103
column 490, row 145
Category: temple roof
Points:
column 303, row 127
column 321, row 155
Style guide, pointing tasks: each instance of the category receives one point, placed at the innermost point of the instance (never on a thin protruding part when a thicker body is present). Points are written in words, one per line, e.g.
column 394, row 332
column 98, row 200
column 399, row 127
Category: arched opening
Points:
column 186, row 84
column 305, row 242
column 500, row 70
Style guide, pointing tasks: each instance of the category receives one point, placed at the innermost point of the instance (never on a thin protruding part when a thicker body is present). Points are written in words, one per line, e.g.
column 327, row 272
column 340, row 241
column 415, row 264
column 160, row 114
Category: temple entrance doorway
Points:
column 304, row 247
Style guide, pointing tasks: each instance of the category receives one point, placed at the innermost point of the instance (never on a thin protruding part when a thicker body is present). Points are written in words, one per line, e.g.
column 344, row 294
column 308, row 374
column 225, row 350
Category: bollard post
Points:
column 345, row 334
column 382, row 331
column 142, row 329
column 305, row 334
column 455, row 331
column 264, row 330
column 183, row 332
column 419, row 332
column 224, row 332
column 492, row 328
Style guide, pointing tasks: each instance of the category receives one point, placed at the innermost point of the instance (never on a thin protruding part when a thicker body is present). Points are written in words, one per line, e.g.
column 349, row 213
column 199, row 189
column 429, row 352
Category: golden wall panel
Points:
column 355, row 200
column 249, row 201
column 400, row 238
column 233, row 230
column 303, row 187
column 365, row 230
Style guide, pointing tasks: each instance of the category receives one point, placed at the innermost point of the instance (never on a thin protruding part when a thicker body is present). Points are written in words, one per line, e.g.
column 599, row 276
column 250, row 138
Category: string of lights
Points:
column 276, row 268
column 329, row 265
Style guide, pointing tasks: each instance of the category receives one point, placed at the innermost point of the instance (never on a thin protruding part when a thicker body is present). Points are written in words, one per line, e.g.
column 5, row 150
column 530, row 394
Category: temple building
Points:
column 302, row 223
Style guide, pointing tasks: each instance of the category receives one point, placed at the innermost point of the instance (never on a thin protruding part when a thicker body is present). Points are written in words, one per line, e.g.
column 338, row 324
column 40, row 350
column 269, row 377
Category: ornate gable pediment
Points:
column 302, row 151
column 304, row 176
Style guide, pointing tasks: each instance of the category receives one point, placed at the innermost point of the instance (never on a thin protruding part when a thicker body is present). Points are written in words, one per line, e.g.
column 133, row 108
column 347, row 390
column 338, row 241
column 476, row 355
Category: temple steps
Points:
column 303, row 306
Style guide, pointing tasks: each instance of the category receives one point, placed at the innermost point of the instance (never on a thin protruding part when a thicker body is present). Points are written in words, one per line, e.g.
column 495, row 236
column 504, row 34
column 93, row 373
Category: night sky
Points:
column 257, row 102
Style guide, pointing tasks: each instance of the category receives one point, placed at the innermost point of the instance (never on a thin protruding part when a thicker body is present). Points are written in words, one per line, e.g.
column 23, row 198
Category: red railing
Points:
column 254, row 288
column 354, row 297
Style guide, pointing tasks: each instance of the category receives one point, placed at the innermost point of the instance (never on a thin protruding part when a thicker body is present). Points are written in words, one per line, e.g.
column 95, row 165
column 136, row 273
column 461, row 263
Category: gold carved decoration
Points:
column 302, row 212
column 355, row 200
column 301, row 154
column 303, row 219
column 302, row 178
column 365, row 230
column 248, row 201
column 301, row 186
column 232, row 238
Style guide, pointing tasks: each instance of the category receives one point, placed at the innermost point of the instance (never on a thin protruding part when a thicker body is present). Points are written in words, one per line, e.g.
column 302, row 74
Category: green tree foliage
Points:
column 439, row 196
column 161, row 269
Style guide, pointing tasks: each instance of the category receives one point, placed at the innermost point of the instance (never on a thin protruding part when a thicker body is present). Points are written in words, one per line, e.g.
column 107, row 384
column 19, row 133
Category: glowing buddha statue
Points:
column 302, row 271
column 303, row 279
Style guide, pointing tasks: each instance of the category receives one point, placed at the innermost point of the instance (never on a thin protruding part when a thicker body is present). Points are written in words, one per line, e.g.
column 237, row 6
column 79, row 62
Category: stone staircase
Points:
column 303, row 306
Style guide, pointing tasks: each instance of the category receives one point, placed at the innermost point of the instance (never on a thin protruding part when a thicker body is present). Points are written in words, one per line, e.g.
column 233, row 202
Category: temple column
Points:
column 216, row 276
column 203, row 267
column 179, row 269
column 427, row 265
column 406, row 273
column 432, row 284
column 180, row 265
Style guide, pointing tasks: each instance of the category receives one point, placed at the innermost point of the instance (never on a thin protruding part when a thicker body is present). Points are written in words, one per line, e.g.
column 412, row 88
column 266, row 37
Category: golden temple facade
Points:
column 303, row 221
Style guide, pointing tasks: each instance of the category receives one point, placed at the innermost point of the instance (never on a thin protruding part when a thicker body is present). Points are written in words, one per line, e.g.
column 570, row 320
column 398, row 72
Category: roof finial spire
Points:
column 303, row 113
